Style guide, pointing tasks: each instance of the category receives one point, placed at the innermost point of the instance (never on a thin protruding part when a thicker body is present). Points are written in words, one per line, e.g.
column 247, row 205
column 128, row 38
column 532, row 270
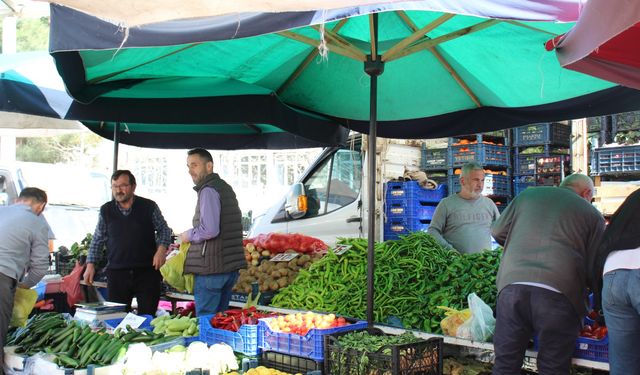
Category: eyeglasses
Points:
column 117, row 187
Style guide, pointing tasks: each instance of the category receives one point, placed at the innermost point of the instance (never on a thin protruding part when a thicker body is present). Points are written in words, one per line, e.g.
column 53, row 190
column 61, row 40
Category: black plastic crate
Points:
column 556, row 164
column 540, row 134
column 615, row 160
column 525, row 164
column 435, row 158
column 64, row 264
column 423, row 357
column 289, row 363
column 487, row 155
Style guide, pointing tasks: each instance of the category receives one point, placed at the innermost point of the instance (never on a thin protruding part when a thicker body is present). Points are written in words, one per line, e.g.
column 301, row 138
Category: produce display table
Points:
column 448, row 339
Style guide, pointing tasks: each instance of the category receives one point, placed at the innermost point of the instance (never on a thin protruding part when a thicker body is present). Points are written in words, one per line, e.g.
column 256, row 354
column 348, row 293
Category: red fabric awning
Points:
column 605, row 42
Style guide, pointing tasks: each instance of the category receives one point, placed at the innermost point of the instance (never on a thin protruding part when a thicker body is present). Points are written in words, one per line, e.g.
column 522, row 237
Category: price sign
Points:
column 131, row 319
column 341, row 249
column 284, row 257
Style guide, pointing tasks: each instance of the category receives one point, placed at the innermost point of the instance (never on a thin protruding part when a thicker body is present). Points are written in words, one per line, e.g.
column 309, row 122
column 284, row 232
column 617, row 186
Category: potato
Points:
column 283, row 282
column 250, row 247
column 265, row 253
column 284, row 271
column 255, row 262
column 276, row 274
column 274, row 285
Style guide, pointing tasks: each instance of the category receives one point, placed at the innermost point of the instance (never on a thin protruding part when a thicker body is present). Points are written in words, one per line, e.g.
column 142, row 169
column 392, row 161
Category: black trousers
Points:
column 145, row 284
column 523, row 311
column 7, row 293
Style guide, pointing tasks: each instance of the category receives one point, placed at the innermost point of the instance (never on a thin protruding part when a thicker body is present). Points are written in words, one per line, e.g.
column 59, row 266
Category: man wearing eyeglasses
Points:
column 136, row 236
column 24, row 253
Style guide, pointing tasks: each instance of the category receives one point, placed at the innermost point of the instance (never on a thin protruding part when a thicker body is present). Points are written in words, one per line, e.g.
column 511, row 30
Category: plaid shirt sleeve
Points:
column 99, row 239
column 163, row 232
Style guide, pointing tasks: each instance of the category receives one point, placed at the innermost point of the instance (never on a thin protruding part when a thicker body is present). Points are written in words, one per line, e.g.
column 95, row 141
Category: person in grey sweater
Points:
column 550, row 236
column 24, row 252
column 463, row 220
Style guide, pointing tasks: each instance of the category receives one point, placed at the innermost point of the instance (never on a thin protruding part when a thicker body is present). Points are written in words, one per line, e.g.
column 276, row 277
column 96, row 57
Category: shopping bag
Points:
column 71, row 285
column 482, row 324
column 22, row 305
column 173, row 268
column 453, row 319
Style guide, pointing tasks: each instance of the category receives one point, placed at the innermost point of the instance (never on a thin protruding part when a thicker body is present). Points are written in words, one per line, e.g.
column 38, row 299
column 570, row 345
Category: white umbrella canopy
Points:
column 140, row 12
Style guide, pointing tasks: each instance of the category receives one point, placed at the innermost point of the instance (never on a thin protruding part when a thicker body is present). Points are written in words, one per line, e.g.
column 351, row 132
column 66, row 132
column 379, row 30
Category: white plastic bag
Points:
column 482, row 323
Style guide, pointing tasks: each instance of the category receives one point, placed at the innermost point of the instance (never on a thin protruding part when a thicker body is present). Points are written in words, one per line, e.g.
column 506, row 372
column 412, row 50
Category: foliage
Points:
column 57, row 149
column 32, row 34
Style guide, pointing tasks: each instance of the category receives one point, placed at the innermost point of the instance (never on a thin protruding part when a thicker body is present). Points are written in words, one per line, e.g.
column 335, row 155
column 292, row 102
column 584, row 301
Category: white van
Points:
column 330, row 199
column 75, row 196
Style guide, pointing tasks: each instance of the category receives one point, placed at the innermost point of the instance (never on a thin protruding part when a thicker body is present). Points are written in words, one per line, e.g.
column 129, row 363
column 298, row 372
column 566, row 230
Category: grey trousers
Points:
column 7, row 292
column 523, row 311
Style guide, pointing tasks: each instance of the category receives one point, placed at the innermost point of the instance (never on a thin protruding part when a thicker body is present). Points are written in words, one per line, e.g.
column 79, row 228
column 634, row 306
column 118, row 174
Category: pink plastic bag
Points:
column 71, row 285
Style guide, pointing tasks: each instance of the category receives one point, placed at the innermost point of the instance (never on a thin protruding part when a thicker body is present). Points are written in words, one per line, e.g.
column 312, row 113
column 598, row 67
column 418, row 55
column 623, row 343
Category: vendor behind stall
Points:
column 137, row 236
column 463, row 221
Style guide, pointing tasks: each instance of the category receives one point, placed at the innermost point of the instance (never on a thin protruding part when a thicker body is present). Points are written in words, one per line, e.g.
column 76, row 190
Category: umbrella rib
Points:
column 417, row 34
column 343, row 43
column 372, row 37
column 332, row 47
column 307, row 60
column 111, row 75
column 403, row 15
column 520, row 24
column 429, row 43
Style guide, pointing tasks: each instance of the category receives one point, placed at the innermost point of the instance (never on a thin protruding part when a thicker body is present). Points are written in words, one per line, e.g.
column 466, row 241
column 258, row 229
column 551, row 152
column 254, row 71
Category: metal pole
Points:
column 116, row 143
column 373, row 67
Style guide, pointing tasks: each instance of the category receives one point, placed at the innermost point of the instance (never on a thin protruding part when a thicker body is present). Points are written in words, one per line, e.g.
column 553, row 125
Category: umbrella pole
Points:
column 373, row 67
column 116, row 143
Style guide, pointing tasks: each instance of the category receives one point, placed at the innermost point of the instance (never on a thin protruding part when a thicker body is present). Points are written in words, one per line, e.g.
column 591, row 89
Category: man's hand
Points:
column 160, row 257
column 184, row 236
column 89, row 273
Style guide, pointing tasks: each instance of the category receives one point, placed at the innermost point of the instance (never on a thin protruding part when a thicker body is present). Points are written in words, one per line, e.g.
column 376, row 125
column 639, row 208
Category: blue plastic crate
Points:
column 494, row 185
column 244, row 341
column 541, row 134
column 40, row 288
column 113, row 323
column 592, row 349
column 394, row 227
column 310, row 345
column 615, row 160
column 482, row 153
column 435, row 158
column 401, row 208
column 411, row 190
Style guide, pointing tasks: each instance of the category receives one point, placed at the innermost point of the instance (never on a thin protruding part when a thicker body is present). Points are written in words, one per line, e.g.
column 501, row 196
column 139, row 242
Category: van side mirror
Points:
column 4, row 199
column 296, row 204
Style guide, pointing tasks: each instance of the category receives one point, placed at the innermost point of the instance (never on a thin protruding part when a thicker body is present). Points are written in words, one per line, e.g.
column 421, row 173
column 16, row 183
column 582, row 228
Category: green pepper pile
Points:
column 413, row 276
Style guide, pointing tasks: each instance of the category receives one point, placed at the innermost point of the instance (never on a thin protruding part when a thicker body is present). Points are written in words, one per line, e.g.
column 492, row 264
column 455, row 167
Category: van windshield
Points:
column 66, row 185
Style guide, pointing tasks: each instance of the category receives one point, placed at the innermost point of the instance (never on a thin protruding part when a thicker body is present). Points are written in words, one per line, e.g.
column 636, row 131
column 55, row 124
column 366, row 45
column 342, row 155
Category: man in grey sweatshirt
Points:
column 463, row 220
column 550, row 236
column 24, row 252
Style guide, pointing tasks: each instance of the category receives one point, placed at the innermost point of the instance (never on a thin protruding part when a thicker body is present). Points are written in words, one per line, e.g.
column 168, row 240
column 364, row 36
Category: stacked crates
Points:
column 615, row 160
column 409, row 207
column 540, row 155
column 491, row 150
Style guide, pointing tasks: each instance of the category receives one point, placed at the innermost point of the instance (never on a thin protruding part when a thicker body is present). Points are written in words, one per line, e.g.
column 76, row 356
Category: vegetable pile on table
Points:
column 232, row 320
column 413, row 276
column 273, row 276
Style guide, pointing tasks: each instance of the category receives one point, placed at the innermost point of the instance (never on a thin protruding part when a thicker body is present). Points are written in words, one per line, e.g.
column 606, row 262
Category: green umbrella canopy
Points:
column 444, row 74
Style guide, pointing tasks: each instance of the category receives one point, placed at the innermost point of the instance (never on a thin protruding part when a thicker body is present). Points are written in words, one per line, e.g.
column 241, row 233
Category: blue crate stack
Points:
column 549, row 163
column 409, row 207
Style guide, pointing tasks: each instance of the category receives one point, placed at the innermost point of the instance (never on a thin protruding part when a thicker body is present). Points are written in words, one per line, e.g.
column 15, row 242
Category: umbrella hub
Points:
column 374, row 67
